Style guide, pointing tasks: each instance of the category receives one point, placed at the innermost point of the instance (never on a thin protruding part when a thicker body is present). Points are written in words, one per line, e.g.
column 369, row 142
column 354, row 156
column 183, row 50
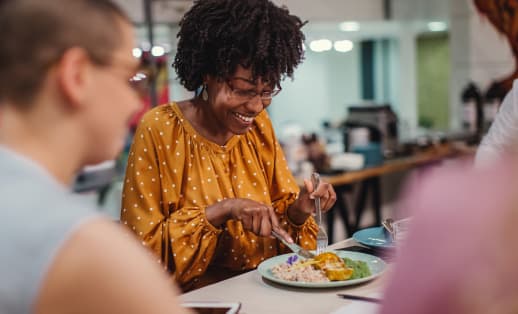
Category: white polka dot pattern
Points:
column 166, row 204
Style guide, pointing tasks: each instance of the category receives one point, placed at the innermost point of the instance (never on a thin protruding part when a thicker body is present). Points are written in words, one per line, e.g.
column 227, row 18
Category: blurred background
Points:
column 415, row 55
column 392, row 72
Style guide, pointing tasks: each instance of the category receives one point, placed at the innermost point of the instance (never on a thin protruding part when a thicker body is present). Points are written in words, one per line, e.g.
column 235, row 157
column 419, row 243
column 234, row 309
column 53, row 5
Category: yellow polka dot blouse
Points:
column 174, row 173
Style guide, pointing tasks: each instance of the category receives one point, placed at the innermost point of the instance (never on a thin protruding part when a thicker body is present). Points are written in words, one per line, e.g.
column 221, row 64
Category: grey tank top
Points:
column 37, row 216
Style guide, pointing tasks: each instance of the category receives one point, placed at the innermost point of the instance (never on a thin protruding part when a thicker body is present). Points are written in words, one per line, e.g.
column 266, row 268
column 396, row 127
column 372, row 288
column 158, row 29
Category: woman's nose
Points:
column 255, row 104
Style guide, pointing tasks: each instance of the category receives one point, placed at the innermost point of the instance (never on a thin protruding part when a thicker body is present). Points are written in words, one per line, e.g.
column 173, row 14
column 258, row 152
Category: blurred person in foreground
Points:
column 459, row 254
column 65, row 102
column 206, row 179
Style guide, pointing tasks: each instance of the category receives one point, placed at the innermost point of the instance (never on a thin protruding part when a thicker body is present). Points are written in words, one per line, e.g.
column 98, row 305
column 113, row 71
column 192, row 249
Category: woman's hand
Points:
column 304, row 206
column 254, row 216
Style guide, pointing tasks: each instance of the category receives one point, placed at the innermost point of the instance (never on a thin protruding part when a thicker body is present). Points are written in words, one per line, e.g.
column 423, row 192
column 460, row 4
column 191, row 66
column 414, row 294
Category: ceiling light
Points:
column 343, row 45
column 437, row 26
column 137, row 52
column 349, row 26
column 157, row 51
column 321, row 45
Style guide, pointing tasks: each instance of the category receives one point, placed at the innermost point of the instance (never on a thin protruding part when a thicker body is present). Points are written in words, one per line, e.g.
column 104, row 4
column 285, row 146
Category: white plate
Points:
column 376, row 266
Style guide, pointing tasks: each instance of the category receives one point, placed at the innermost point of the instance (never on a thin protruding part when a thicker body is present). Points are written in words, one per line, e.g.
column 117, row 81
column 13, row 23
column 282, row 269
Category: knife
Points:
column 359, row 298
column 294, row 247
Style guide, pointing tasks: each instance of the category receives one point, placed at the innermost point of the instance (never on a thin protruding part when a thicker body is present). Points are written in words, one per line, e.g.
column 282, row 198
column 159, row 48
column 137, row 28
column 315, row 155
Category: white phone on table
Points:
column 200, row 307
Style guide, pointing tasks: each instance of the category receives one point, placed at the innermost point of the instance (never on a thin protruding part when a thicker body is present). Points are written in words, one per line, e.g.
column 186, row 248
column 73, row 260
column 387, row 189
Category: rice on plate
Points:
column 324, row 267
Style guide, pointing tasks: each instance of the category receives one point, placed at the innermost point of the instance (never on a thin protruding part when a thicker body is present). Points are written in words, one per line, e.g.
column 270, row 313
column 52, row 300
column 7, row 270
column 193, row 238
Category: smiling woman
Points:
column 207, row 181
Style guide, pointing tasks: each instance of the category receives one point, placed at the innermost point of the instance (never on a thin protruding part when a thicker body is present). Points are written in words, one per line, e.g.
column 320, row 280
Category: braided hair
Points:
column 218, row 35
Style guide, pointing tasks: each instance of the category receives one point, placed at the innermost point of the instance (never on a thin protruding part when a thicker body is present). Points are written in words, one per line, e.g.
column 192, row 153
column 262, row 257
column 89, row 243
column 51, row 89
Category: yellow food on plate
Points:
column 333, row 266
column 341, row 273
column 328, row 257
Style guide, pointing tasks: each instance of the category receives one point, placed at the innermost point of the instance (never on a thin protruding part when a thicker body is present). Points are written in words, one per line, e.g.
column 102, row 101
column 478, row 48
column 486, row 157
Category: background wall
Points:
column 433, row 80
column 171, row 11
column 324, row 84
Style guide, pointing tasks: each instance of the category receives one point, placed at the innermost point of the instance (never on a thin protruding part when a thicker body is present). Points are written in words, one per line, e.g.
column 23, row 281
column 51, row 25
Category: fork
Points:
column 388, row 224
column 322, row 239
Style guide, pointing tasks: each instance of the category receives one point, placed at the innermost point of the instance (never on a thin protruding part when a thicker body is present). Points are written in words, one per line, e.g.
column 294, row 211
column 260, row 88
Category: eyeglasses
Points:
column 248, row 94
column 139, row 80
column 136, row 77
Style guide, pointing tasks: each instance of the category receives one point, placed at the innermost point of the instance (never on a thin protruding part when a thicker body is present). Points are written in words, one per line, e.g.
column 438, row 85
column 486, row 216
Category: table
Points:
column 259, row 297
column 369, row 179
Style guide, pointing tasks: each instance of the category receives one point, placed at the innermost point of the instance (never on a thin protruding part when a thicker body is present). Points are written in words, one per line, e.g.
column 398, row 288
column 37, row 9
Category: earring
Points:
column 204, row 93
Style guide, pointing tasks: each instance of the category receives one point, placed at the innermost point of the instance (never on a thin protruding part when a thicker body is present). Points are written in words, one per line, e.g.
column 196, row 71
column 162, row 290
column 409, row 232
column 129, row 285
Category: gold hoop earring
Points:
column 204, row 93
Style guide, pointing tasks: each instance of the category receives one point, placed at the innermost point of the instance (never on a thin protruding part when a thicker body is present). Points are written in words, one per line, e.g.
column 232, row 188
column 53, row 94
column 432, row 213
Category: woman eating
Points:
column 206, row 180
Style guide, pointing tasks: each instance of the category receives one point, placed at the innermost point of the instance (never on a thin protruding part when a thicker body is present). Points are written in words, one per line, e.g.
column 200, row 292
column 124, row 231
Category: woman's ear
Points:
column 73, row 75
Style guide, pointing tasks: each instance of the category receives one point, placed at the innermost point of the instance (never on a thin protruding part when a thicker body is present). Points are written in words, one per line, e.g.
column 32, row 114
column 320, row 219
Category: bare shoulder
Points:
column 103, row 269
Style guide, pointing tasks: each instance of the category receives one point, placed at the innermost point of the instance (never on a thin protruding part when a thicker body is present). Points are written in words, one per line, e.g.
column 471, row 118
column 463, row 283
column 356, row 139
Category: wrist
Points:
column 295, row 215
column 218, row 214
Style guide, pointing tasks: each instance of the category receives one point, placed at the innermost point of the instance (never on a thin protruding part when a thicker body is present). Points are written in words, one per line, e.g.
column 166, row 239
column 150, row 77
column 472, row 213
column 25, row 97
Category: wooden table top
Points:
column 428, row 155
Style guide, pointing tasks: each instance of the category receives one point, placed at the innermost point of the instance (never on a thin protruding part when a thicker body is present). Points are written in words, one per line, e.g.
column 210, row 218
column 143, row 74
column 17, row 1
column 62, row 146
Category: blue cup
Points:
column 371, row 152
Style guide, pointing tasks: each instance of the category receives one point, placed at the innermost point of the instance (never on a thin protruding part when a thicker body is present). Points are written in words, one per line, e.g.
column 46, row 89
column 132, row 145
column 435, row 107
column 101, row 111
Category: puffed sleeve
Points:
column 154, row 208
column 141, row 207
column 193, row 242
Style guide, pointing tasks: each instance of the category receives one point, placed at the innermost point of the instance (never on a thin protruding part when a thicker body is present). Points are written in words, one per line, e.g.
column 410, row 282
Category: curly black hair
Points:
column 218, row 35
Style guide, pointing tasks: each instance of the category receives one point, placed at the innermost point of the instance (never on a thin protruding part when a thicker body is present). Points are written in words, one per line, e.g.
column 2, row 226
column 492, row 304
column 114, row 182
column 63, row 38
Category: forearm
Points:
column 217, row 214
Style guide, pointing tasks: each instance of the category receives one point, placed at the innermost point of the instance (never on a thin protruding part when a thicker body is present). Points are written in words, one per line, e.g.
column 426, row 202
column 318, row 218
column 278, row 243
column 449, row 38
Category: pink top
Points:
column 459, row 255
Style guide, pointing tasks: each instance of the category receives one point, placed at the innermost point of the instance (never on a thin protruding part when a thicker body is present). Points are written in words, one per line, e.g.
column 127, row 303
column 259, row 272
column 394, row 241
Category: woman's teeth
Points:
column 244, row 118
